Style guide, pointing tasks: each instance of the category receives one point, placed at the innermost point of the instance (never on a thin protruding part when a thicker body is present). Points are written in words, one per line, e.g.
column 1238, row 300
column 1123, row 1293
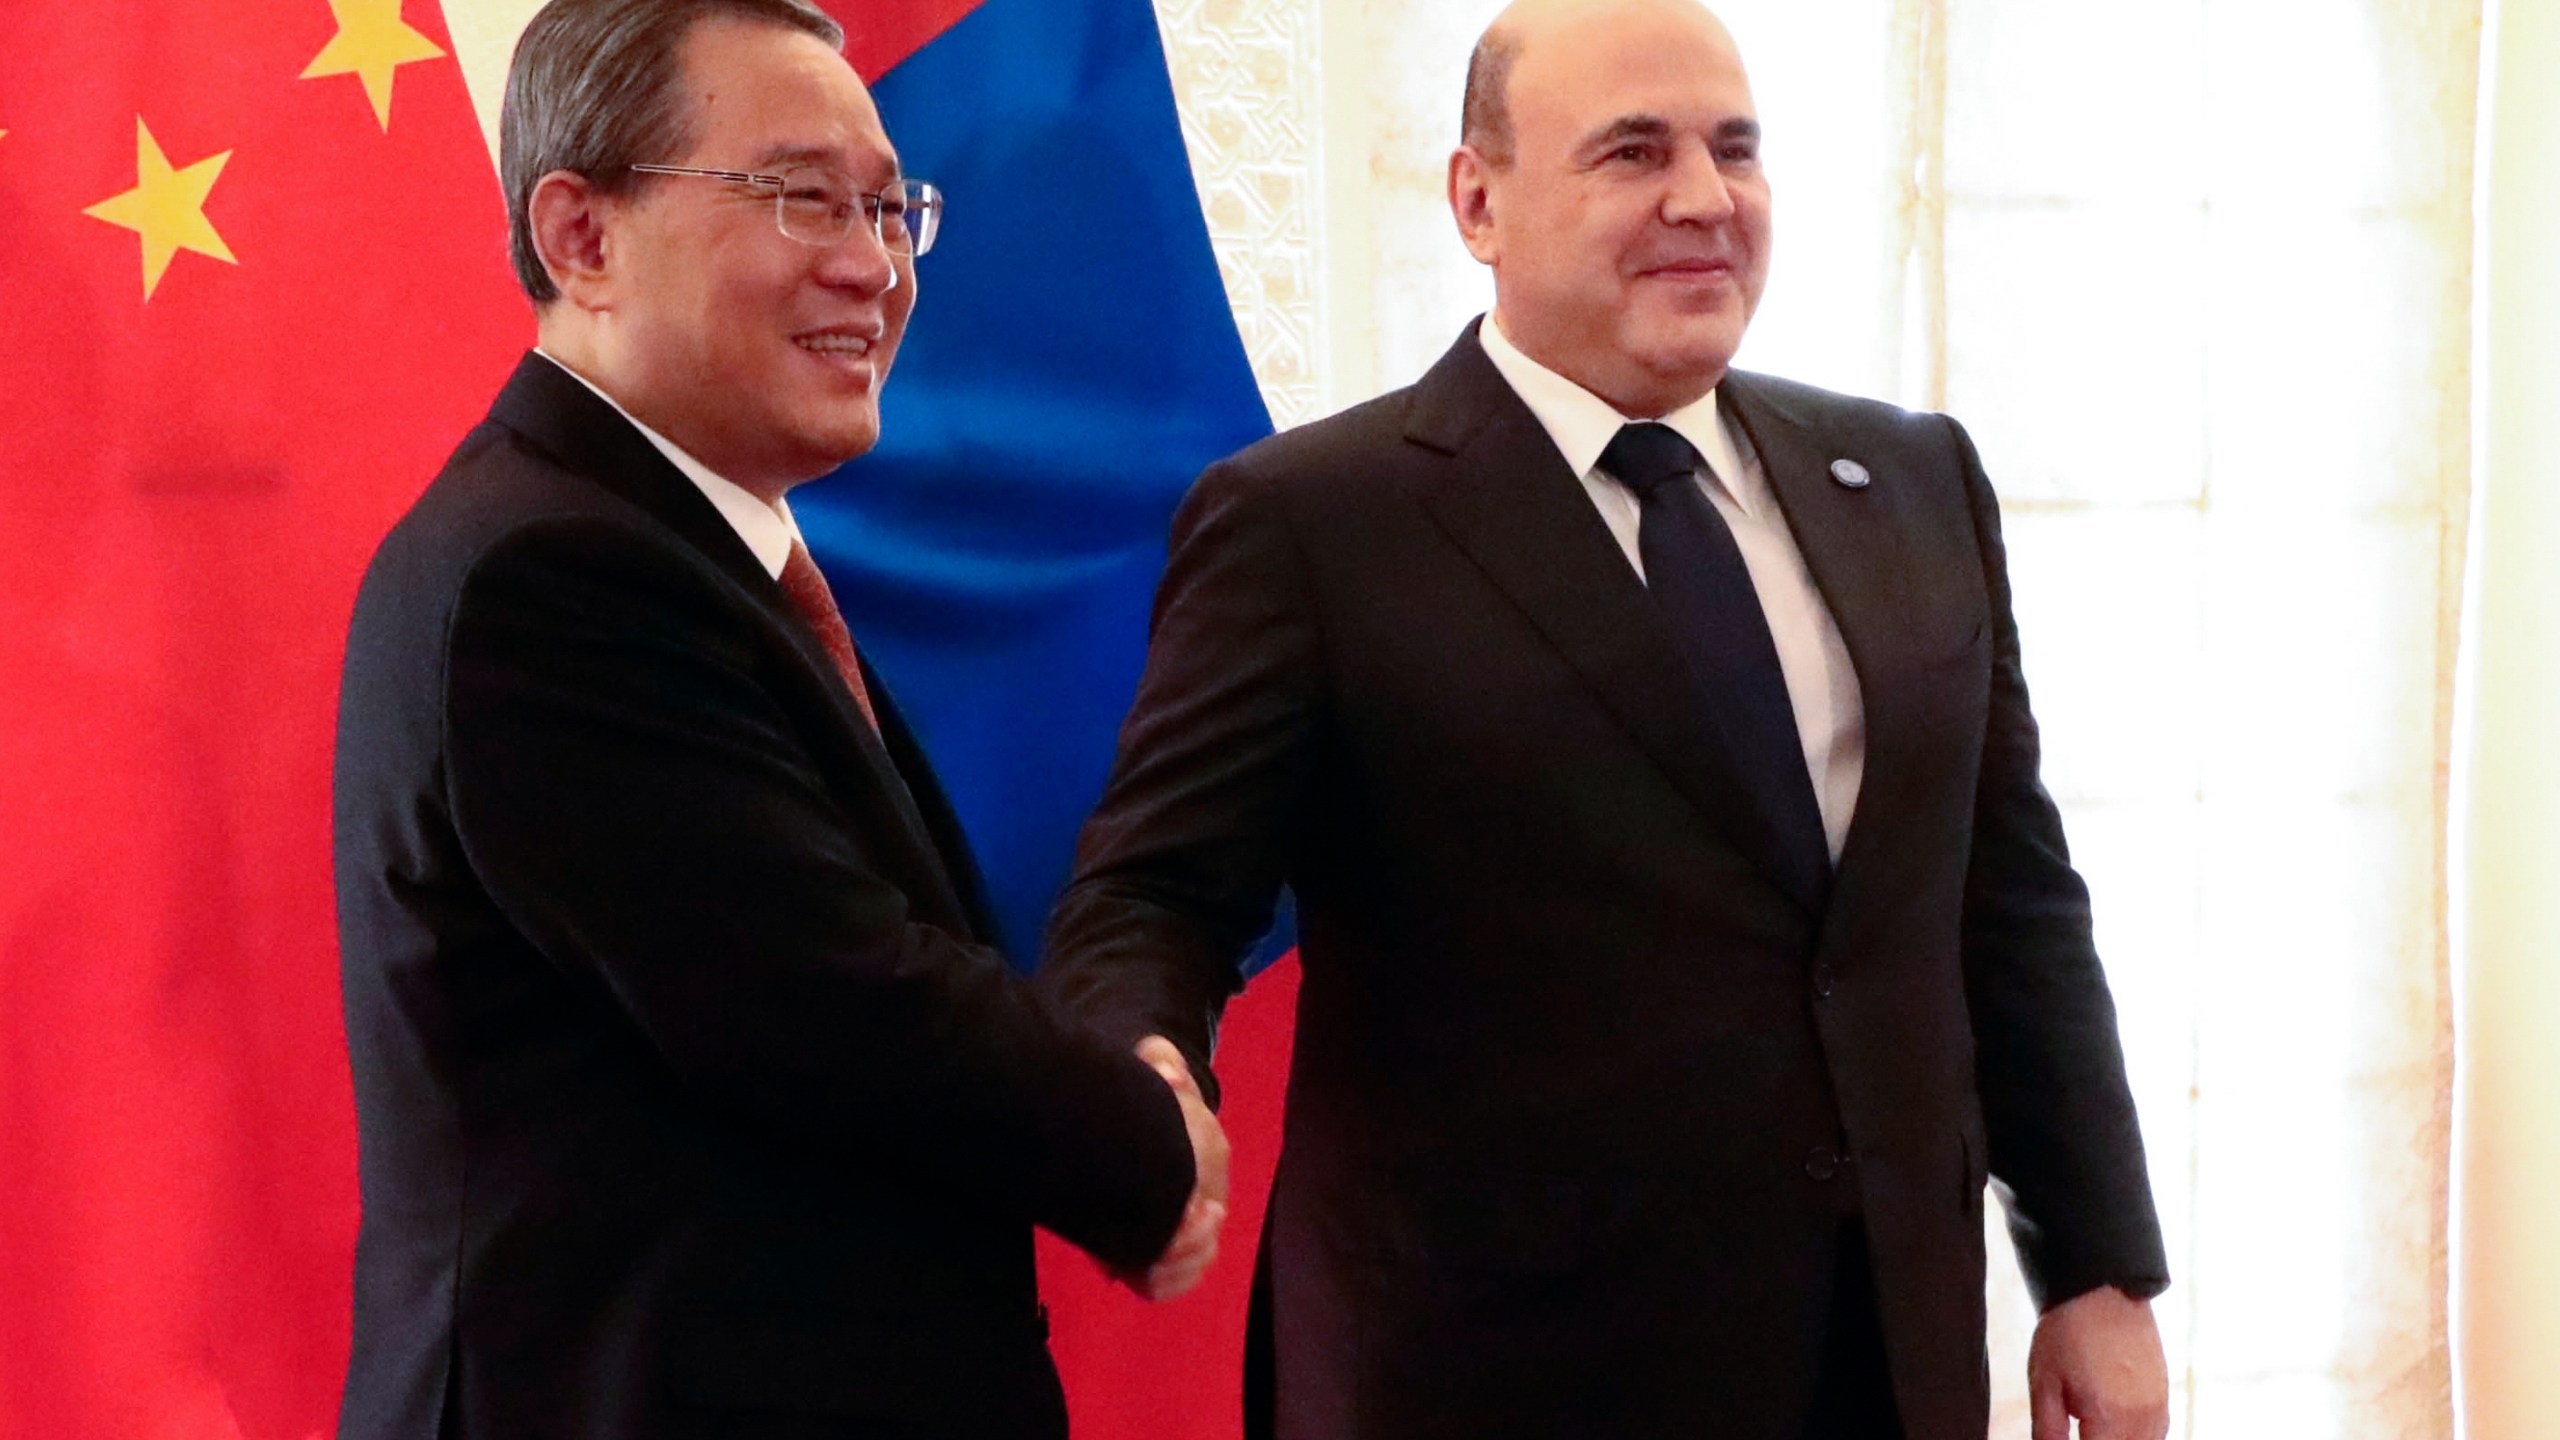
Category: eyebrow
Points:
column 792, row 155
column 778, row 156
column 1654, row 127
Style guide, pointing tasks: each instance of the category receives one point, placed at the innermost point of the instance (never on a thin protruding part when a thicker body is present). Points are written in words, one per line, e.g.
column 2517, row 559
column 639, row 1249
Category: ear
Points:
column 568, row 217
column 1471, row 201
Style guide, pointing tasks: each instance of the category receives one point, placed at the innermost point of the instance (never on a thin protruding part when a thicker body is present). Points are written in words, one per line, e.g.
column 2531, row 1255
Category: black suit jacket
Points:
column 1583, row 1086
column 689, row 1100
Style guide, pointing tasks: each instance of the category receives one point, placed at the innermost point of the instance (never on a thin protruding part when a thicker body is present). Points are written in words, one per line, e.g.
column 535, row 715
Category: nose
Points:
column 1698, row 194
column 860, row 262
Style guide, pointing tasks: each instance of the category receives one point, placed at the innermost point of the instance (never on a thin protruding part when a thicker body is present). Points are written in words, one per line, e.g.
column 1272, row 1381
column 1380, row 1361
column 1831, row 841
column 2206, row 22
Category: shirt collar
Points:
column 1582, row 424
column 768, row 530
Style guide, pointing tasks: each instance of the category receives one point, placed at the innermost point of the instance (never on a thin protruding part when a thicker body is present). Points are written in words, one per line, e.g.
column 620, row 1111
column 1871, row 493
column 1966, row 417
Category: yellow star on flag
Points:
column 166, row 207
column 372, row 41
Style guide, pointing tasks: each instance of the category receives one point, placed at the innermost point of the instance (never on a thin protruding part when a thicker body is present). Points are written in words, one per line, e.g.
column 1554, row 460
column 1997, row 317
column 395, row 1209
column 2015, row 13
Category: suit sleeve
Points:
column 2065, row 1146
column 639, row 806
column 1182, row 861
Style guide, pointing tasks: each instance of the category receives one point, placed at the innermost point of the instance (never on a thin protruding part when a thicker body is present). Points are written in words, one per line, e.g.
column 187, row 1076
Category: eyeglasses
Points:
column 816, row 205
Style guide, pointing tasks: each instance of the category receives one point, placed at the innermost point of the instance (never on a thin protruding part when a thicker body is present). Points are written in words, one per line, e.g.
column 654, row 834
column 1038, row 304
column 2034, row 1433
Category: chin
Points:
column 1683, row 342
column 816, row 459
column 848, row 451
column 1688, row 367
column 844, row 437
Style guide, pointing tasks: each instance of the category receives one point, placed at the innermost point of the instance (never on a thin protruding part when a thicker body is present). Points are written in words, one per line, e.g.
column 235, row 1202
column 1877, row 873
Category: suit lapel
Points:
column 1511, row 504
column 581, row 433
column 1851, row 541
column 578, row 431
column 933, row 816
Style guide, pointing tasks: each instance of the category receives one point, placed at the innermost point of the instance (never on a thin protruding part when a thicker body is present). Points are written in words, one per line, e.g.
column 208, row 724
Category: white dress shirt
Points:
column 1821, row 684
column 768, row 530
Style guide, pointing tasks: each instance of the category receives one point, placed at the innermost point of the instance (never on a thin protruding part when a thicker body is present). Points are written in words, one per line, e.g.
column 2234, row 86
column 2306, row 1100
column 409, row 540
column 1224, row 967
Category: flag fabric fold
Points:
column 1073, row 365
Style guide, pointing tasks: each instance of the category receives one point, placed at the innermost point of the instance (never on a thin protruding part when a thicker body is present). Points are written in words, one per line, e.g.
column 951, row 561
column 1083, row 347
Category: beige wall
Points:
column 484, row 35
column 2509, row 881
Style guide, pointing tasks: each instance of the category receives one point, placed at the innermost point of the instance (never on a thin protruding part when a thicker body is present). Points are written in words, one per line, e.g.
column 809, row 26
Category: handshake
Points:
column 1195, row 1241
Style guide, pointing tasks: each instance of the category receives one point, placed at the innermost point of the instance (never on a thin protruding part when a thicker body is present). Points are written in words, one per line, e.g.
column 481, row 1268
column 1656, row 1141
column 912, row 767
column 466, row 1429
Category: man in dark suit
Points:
column 1685, row 928
column 691, row 1100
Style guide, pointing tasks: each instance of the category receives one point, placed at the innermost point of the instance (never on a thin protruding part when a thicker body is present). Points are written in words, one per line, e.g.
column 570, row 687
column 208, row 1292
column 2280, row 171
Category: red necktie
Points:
column 817, row 605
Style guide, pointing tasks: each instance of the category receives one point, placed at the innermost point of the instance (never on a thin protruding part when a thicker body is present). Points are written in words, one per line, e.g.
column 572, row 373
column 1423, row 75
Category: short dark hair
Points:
column 1485, row 123
column 595, row 88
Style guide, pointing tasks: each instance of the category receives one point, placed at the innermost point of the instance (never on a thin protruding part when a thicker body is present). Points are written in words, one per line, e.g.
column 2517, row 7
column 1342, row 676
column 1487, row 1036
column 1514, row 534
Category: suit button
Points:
column 1820, row 1163
column 1822, row 982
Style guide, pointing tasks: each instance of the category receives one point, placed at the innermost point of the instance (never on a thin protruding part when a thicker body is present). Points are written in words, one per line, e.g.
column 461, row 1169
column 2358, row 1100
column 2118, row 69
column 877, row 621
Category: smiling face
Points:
column 761, row 356
column 1628, row 228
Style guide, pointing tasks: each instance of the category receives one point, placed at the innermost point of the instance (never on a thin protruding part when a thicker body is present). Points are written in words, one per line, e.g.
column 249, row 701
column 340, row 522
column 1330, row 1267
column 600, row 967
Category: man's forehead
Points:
column 1588, row 109
column 770, row 97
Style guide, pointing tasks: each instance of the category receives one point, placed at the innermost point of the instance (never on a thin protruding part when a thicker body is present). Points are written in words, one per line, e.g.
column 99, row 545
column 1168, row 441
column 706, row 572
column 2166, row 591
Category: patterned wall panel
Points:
column 1244, row 78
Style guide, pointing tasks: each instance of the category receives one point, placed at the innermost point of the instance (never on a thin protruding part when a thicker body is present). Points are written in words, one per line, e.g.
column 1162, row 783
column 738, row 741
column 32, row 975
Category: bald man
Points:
column 1687, row 936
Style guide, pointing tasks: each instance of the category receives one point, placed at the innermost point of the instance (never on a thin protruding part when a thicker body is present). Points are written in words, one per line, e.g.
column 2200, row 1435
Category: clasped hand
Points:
column 1195, row 1241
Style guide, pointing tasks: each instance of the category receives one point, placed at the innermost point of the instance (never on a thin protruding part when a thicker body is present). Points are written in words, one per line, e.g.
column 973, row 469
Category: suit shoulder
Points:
column 1835, row 412
column 494, row 481
column 1344, row 451
column 1934, row 444
column 499, row 499
column 495, row 487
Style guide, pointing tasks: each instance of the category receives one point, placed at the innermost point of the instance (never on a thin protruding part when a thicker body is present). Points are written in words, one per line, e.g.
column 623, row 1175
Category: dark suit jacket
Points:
column 1576, row 1067
column 689, row 1100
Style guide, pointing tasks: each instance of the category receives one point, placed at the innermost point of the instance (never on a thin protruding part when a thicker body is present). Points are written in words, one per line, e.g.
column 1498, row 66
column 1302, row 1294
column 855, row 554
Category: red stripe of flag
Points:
column 1174, row 1371
column 879, row 35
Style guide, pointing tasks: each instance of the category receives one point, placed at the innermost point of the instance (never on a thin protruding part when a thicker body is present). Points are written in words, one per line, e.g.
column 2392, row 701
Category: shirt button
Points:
column 1820, row 1163
column 1822, row 982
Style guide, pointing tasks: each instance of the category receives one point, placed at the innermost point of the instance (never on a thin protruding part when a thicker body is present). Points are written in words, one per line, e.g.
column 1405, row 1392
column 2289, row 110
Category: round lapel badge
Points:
column 1851, row 474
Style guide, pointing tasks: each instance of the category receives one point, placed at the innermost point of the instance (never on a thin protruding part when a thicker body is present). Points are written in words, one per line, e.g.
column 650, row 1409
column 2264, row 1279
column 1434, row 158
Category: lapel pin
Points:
column 1851, row 474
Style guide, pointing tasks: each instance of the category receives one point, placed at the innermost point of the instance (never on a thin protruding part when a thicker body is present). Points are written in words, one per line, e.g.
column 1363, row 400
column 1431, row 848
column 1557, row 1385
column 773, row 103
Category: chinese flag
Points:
column 254, row 286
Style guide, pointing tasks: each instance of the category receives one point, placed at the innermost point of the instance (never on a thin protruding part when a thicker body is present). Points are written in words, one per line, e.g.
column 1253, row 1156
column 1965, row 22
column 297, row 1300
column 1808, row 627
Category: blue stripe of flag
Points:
column 1071, row 366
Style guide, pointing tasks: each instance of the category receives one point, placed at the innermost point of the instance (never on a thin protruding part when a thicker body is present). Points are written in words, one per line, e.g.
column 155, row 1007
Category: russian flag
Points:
column 1072, row 366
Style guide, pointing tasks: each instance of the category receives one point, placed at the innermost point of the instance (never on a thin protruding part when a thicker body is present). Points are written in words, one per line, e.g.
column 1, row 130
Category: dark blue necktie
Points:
column 1699, row 583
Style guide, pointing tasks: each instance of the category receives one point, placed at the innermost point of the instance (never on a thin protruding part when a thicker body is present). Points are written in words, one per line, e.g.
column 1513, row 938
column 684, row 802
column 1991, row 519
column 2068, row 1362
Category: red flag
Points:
column 252, row 265
column 1135, row 1371
column 880, row 33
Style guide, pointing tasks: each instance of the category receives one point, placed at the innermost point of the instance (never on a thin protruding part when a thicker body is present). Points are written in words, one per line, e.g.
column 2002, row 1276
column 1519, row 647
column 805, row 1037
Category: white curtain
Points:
column 2508, row 910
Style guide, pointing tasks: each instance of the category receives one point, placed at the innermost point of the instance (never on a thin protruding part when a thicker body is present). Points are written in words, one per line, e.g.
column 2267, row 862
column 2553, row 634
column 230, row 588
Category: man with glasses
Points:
column 691, row 1101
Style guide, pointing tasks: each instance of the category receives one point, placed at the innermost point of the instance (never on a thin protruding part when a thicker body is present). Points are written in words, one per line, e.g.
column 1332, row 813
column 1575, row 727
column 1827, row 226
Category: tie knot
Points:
column 1646, row 456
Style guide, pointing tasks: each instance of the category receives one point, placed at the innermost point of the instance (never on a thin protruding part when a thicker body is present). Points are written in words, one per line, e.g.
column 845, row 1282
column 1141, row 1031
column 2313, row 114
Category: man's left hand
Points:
column 2097, row 1357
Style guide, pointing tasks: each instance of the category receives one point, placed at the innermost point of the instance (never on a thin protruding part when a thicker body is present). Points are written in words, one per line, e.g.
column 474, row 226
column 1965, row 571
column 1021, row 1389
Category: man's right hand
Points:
column 1195, row 1242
